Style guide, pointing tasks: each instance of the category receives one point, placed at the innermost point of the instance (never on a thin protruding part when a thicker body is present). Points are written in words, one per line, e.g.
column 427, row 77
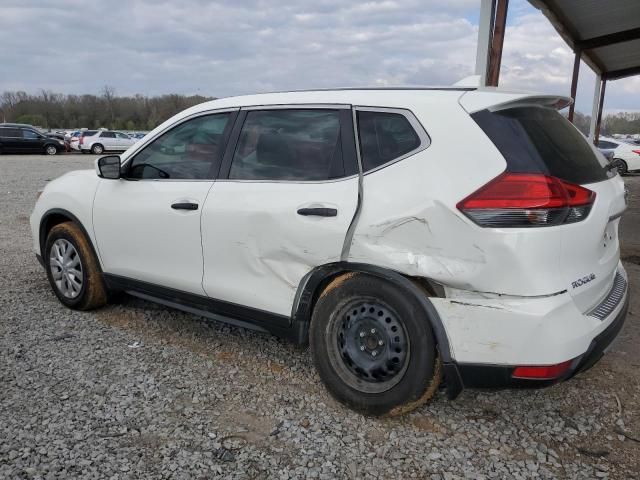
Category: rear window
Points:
column 541, row 140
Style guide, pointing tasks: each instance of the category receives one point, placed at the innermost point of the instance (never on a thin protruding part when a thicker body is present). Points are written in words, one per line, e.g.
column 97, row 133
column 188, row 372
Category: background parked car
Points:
column 20, row 138
column 106, row 141
column 76, row 140
column 627, row 153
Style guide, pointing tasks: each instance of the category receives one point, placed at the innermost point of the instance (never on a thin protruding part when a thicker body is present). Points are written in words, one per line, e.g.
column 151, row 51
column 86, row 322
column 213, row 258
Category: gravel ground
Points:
column 140, row 391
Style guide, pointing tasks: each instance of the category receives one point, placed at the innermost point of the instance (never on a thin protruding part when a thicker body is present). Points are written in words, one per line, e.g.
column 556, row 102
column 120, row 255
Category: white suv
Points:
column 345, row 219
column 106, row 141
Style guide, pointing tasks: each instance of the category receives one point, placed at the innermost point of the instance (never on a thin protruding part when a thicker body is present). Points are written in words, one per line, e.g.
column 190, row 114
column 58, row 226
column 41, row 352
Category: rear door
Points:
column 536, row 139
column 33, row 142
column 287, row 193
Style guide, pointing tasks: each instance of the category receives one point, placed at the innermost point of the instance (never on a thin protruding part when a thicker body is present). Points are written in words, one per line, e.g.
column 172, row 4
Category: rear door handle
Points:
column 318, row 212
column 185, row 206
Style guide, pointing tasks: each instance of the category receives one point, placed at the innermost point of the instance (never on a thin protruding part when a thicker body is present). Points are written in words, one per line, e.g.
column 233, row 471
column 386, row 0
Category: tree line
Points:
column 51, row 110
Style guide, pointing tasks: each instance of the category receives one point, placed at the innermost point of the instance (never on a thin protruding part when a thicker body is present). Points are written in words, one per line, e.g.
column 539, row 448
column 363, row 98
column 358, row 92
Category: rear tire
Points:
column 373, row 346
column 72, row 268
column 97, row 149
column 623, row 168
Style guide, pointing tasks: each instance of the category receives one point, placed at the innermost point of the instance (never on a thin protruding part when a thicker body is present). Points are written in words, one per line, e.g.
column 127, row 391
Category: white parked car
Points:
column 343, row 218
column 106, row 141
column 626, row 155
column 77, row 139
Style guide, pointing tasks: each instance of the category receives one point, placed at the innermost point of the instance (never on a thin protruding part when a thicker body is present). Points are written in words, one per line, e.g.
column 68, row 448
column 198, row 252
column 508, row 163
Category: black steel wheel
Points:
column 373, row 346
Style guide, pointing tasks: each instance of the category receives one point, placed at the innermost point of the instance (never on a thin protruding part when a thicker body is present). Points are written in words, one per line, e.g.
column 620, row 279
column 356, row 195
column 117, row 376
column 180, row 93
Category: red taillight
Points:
column 527, row 200
column 81, row 140
column 636, row 151
column 546, row 372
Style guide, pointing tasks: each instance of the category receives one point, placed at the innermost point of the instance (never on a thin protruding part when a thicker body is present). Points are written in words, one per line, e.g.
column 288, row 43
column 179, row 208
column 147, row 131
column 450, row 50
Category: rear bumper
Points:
column 468, row 375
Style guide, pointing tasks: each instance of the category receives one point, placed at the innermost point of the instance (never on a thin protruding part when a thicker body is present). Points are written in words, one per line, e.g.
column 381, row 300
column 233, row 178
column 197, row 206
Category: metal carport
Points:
column 605, row 34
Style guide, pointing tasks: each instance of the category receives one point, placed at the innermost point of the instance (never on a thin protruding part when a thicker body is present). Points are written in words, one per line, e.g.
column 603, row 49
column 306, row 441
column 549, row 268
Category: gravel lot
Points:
column 139, row 391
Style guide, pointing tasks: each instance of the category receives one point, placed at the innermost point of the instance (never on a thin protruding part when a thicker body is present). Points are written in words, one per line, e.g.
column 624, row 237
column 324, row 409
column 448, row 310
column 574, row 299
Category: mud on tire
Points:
column 92, row 293
column 373, row 346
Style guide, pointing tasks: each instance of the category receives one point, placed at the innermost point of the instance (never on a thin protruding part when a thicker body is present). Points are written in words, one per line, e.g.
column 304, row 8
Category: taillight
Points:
column 81, row 140
column 527, row 200
column 636, row 151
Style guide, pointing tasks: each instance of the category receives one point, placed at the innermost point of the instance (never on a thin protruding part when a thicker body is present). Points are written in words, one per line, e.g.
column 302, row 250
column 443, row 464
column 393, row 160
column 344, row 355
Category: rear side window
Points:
column 107, row 135
column 540, row 140
column 88, row 133
column 290, row 145
column 384, row 137
column 10, row 133
column 605, row 144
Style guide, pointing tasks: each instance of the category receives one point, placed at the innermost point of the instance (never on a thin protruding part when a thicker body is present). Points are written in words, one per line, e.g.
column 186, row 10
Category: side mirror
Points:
column 109, row 167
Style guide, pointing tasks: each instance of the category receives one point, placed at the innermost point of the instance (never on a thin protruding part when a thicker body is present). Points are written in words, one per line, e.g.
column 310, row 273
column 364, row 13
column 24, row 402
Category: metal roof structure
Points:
column 604, row 34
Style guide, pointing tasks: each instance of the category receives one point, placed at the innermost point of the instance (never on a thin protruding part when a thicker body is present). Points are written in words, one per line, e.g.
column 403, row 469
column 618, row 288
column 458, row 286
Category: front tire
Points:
column 72, row 268
column 622, row 166
column 373, row 346
column 50, row 150
column 97, row 149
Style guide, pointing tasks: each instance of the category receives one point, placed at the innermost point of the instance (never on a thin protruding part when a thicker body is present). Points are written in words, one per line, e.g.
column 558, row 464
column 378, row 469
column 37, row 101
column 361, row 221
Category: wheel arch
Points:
column 317, row 279
column 56, row 216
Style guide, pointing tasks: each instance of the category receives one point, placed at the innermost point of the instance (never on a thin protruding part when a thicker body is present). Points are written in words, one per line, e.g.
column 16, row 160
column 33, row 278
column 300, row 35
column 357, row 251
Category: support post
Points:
column 594, row 109
column 485, row 29
column 600, row 108
column 497, row 42
column 574, row 83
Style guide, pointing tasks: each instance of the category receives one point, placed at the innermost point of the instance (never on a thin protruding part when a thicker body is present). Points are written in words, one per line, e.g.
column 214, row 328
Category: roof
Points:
column 607, row 33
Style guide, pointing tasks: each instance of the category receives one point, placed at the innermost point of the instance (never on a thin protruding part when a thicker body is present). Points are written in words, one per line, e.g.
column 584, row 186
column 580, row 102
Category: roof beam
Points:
column 625, row 72
column 610, row 39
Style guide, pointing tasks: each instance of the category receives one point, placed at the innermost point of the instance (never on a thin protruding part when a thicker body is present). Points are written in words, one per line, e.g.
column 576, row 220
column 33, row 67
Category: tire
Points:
column 50, row 150
column 357, row 315
column 623, row 168
column 81, row 263
column 97, row 149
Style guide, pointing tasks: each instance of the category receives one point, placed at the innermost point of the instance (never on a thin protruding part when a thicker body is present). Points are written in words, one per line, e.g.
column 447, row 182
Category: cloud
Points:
column 229, row 47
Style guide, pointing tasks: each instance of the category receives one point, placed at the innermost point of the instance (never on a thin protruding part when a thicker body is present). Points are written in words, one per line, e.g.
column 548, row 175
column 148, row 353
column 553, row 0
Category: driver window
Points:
column 189, row 151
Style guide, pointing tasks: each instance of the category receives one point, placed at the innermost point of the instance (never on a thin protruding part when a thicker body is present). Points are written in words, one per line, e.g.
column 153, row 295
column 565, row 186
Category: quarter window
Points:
column 384, row 136
column 295, row 145
column 192, row 150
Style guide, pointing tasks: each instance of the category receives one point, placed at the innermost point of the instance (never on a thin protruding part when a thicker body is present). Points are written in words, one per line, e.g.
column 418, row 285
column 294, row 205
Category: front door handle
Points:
column 185, row 206
column 318, row 212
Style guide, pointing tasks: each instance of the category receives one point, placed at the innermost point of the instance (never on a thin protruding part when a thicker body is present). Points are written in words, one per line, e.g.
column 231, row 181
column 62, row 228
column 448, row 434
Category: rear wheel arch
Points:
column 319, row 279
column 56, row 216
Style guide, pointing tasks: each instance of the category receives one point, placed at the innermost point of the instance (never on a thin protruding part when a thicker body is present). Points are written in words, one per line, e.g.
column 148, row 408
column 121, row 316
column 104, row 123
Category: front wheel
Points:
column 373, row 346
column 622, row 166
column 50, row 150
column 72, row 268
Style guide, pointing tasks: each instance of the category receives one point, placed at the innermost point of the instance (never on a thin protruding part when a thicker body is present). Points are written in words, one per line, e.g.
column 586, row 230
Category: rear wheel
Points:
column 72, row 268
column 373, row 346
column 97, row 149
column 50, row 150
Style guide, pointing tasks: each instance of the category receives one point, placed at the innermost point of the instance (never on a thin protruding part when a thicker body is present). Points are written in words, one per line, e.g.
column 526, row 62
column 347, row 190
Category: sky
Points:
column 230, row 47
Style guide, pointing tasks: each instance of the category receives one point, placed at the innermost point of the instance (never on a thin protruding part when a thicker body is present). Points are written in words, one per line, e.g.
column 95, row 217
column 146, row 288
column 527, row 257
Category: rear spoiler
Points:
column 495, row 100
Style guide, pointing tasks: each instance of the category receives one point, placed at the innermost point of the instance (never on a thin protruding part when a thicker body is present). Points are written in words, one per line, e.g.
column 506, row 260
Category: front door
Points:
column 283, row 204
column 148, row 223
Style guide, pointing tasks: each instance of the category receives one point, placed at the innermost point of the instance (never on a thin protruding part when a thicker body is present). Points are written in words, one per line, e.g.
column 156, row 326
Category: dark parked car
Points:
column 18, row 138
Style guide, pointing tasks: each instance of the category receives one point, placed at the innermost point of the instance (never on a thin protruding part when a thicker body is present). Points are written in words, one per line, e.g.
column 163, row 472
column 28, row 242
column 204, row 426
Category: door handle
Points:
column 318, row 212
column 185, row 206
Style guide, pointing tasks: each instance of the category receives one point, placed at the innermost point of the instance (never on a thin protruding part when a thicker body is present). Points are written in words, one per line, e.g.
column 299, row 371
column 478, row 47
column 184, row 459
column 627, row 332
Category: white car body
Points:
column 508, row 296
column 107, row 141
column 627, row 152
